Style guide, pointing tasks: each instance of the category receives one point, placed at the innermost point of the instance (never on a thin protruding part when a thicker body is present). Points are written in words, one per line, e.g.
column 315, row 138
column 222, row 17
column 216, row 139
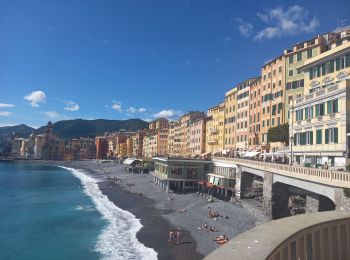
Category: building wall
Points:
column 254, row 142
column 323, row 111
column 197, row 136
column 230, row 119
column 273, row 91
column 101, row 147
column 215, row 129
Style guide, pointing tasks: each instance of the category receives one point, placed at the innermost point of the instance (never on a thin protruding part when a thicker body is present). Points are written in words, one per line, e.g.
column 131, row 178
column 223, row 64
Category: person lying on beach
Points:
column 212, row 229
column 182, row 210
column 220, row 238
column 221, row 242
column 205, row 226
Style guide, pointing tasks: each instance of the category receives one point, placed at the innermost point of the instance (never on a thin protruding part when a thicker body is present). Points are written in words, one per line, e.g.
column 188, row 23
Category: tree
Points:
column 279, row 133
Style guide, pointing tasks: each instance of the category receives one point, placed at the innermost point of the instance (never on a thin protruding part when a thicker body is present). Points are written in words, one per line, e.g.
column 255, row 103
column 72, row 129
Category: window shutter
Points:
column 311, row 137
column 319, row 136
column 295, row 139
column 331, row 66
column 306, row 114
column 335, row 135
column 347, row 61
column 310, row 74
column 326, row 136
column 336, row 106
column 329, row 107
column 337, row 64
column 317, row 110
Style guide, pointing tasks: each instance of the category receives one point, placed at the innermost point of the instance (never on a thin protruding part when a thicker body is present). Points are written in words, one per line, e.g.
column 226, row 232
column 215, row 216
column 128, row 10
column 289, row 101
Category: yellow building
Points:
column 230, row 119
column 122, row 150
column 294, row 58
column 321, row 117
column 215, row 129
column 129, row 146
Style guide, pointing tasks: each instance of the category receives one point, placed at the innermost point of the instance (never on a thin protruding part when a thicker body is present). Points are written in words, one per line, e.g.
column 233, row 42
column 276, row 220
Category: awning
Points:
column 224, row 152
column 251, row 154
column 228, row 165
column 216, row 176
column 130, row 161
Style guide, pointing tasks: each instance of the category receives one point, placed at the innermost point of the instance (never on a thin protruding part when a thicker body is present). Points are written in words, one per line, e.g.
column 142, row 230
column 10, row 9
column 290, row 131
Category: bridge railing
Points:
column 335, row 178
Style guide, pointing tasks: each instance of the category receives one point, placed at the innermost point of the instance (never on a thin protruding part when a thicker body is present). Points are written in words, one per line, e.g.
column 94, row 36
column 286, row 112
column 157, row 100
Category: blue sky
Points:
column 141, row 59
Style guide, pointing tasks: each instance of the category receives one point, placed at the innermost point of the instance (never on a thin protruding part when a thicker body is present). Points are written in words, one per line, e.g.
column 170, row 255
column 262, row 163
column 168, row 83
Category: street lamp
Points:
column 291, row 141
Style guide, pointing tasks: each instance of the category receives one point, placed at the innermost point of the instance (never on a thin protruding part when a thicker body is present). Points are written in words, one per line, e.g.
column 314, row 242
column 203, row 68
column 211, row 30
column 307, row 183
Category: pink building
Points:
column 197, row 136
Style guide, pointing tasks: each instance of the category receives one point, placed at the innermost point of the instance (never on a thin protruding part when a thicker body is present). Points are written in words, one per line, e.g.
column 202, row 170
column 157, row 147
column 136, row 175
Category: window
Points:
column 263, row 123
column 290, row 73
column 290, row 59
column 299, row 56
column 309, row 112
column 309, row 53
column 337, row 64
column 331, row 135
column 319, row 136
column 332, row 106
column 299, row 115
column 268, row 122
column 272, row 122
column 309, row 137
column 280, row 83
column 319, row 109
column 176, row 170
column 280, row 69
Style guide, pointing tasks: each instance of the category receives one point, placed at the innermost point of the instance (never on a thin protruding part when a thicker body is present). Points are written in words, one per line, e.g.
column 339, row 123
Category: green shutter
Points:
column 318, row 71
column 295, row 139
column 326, row 136
column 319, row 136
column 329, row 107
column 312, row 112
column 322, row 109
column 323, row 69
column 306, row 116
column 331, row 66
column 335, row 135
column 310, row 74
column 347, row 61
column 311, row 137
column 335, row 105
column 317, row 108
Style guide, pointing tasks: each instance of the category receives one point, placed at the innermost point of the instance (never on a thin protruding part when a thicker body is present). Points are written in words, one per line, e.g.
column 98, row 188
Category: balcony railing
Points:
column 212, row 142
column 214, row 131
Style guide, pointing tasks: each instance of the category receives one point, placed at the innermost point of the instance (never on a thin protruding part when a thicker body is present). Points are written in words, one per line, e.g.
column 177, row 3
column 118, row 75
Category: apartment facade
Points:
column 254, row 141
column 242, row 118
column 295, row 58
column 321, row 118
column 159, row 123
column 215, row 129
column 137, row 142
column 197, row 135
column 272, row 97
column 230, row 119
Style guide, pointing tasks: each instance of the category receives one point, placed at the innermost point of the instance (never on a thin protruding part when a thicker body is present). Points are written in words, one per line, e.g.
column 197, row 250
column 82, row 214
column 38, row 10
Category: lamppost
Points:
column 291, row 141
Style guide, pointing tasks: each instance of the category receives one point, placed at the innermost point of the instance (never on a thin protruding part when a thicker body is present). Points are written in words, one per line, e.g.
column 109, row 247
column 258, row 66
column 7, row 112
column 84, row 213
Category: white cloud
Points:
column 292, row 21
column 35, row 98
column 168, row 113
column 7, row 124
column 147, row 119
column 5, row 113
column 142, row 110
column 71, row 106
column 133, row 110
column 244, row 27
column 3, row 105
column 51, row 114
column 117, row 106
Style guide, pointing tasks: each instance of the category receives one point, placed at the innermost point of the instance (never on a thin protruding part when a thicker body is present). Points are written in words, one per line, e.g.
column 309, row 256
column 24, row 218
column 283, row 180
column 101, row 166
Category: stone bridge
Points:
column 326, row 187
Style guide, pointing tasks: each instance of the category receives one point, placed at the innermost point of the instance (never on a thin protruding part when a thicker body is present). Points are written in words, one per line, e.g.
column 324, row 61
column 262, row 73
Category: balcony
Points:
column 214, row 131
column 212, row 142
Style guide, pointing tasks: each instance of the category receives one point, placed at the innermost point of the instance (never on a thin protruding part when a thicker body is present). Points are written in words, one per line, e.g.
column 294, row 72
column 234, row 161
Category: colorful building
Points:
column 215, row 129
column 254, row 142
column 230, row 119
column 320, row 120
column 197, row 128
column 272, row 96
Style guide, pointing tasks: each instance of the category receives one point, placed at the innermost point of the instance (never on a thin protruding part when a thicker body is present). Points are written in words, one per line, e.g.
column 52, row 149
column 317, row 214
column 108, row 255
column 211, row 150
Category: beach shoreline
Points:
column 137, row 194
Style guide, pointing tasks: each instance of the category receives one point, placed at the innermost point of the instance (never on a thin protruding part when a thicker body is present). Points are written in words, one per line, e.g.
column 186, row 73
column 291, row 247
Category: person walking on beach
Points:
column 178, row 234
column 171, row 236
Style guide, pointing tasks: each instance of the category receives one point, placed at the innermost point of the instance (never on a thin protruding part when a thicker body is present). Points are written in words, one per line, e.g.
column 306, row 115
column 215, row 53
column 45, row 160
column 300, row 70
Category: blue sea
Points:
column 51, row 212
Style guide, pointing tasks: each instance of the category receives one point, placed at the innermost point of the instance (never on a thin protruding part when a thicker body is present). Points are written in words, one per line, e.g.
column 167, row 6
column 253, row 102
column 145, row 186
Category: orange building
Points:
column 255, row 114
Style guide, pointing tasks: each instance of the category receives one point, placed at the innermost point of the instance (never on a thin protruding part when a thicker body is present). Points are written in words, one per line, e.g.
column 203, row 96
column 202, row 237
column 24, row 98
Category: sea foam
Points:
column 118, row 240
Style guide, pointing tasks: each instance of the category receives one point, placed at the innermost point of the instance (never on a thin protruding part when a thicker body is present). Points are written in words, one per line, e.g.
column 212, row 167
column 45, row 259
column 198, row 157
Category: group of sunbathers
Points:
column 174, row 234
column 222, row 239
column 208, row 228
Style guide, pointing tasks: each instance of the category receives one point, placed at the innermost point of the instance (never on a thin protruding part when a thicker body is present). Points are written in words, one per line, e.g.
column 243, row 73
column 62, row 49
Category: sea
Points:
column 53, row 212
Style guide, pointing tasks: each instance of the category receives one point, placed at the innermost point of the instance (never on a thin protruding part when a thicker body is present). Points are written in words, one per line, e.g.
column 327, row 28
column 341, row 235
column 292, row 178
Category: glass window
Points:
column 319, row 136
column 290, row 59
column 309, row 53
column 290, row 73
column 299, row 56
column 299, row 115
column 332, row 106
column 319, row 109
column 331, row 135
